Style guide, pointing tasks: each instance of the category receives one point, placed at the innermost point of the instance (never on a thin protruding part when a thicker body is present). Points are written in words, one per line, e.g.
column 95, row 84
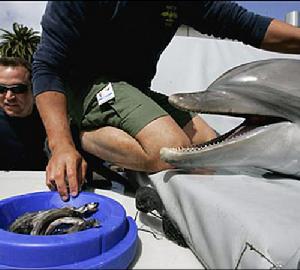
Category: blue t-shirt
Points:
column 83, row 40
column 22, row 142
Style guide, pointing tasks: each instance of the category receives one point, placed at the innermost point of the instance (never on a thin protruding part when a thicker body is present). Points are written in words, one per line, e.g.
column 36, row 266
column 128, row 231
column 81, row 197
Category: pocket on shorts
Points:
column 127, row 99
column 113, row 112
column 89, row 101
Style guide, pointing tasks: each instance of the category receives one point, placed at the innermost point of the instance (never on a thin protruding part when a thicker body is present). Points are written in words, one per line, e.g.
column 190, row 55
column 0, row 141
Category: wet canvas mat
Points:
column 235, row 221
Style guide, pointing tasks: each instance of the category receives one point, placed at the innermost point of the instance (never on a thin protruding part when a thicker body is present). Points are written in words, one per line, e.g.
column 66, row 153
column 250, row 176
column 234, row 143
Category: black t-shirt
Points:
column 22, row 142
column 123, row 40
column 83, row 40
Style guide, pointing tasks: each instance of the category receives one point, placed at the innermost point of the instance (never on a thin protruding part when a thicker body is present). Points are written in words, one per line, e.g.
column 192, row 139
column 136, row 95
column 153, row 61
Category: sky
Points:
column 275, row 9
column 30, row 13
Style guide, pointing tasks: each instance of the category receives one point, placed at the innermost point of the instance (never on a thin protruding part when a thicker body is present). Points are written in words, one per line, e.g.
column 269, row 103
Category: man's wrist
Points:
column 60, row 143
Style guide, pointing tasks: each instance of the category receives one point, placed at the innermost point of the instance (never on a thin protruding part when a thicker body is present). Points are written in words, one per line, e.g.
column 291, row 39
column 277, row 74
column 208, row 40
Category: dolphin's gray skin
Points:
column 267, row 94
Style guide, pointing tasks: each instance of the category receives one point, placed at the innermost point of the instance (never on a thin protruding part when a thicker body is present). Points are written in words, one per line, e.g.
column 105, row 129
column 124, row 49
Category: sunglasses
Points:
column 16, row 89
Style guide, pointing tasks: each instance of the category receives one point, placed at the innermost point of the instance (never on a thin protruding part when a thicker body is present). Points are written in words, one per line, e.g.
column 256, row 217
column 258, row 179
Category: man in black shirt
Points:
column 22, row 134
column 99, row 57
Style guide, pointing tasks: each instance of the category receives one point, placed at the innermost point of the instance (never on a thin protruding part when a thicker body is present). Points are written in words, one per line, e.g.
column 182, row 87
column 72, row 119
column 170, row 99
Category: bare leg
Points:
column 199, row 131
column 140, row 153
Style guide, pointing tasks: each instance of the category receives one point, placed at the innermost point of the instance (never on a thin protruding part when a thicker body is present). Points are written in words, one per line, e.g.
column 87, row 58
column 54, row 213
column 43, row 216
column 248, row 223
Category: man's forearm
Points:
column 52, row 107
column 66, row 167
column 282, row 37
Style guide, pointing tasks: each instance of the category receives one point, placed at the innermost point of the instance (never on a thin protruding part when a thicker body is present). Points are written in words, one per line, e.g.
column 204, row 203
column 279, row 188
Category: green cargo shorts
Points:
column 130, row 110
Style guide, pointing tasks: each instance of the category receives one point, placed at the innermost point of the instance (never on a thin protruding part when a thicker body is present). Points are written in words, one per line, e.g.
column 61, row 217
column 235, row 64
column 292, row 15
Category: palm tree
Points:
column 22, row 42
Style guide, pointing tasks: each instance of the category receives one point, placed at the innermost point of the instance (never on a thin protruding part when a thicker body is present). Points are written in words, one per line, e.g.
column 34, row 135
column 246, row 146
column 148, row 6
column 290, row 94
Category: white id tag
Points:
column 106, row 94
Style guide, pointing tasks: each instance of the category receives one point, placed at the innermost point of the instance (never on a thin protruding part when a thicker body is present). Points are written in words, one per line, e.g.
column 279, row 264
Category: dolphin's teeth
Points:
column 225, row 138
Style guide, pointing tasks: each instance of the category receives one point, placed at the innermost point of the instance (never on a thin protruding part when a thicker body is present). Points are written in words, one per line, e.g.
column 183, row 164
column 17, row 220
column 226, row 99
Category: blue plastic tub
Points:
column 113, row 245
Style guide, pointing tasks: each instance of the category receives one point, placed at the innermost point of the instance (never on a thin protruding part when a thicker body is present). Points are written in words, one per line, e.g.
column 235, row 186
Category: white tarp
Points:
column 234, row 221
column 228, row 220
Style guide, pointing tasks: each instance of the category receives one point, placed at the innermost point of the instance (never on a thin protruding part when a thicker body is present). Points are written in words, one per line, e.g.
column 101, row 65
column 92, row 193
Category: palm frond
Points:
column 21, row 42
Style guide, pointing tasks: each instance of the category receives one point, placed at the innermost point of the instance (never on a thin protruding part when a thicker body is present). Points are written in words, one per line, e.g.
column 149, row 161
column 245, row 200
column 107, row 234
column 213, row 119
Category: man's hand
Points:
column 66, row 169
column 66, row 166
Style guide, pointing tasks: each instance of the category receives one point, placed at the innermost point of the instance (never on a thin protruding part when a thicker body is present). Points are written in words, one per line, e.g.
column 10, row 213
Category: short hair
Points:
column 15, row 62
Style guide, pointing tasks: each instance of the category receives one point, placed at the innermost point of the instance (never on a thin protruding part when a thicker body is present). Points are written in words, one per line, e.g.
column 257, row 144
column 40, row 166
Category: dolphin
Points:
column 266, row 94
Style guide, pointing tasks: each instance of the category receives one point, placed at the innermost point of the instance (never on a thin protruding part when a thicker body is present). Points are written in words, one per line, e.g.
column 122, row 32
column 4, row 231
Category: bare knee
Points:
column 199, row 131
column 140, row 153
column 153, row 163
column 173, row 136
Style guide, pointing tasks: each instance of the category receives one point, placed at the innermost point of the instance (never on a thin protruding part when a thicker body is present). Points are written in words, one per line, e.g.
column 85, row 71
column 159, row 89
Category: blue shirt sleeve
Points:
column 62, row 23
column 65, row 25
column 225, row 19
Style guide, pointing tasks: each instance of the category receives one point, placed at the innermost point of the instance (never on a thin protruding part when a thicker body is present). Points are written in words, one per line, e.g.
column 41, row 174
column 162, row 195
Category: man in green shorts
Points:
column 120, row 121
column 117, row 125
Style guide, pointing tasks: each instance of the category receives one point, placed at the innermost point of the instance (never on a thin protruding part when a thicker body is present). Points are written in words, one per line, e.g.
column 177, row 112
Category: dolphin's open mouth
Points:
column 266, row 94
column 251, row 125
